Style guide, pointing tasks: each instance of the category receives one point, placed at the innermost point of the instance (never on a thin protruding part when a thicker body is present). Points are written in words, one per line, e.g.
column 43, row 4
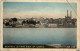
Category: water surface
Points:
column 65, row 36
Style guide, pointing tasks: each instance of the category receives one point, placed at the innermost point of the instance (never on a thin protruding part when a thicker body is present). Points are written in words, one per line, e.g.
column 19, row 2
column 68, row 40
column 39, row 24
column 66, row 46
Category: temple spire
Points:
column 67, row 13
column 71, row 14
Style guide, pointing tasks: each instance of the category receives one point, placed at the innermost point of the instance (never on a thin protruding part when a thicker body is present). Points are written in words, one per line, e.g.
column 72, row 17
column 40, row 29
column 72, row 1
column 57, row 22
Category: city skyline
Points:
column 38, row 9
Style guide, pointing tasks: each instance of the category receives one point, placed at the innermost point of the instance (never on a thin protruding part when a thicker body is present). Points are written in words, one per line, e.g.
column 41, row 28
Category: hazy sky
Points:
column 37, row 9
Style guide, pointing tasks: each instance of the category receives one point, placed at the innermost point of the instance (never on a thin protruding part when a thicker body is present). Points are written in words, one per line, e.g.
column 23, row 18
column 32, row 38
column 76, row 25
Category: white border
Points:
column 35, row 49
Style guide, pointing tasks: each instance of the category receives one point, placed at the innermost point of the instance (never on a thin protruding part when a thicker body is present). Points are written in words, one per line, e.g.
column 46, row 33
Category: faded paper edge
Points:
column 31, row 49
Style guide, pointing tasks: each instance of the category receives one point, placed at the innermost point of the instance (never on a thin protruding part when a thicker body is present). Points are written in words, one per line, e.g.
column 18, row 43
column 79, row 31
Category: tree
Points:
column 14, row 19
column 7, row 24
column 23, row 22
column 14, row 22
column 31, row 22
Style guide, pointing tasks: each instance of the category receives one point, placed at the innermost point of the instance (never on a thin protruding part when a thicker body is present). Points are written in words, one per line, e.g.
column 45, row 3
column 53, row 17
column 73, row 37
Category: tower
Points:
column 67, row 13
column 71, row 14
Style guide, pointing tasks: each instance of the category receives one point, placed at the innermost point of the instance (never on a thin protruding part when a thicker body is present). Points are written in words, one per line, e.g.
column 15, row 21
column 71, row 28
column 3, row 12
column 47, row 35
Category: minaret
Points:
column 71, row 14
column 67, row 13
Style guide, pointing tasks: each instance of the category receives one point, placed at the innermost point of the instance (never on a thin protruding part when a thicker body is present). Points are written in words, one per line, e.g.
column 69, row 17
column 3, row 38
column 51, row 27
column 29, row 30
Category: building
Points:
column 68, row 20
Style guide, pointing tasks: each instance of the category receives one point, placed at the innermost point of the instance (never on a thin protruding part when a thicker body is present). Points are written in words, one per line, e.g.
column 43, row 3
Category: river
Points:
column 65, row 36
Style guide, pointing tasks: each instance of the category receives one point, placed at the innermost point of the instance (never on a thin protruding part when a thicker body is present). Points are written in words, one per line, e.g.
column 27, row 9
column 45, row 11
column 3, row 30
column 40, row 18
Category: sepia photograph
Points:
column 39, row 25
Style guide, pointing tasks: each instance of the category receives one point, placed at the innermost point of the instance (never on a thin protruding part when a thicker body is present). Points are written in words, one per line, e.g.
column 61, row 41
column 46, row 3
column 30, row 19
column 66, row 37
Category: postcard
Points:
column 40, row 25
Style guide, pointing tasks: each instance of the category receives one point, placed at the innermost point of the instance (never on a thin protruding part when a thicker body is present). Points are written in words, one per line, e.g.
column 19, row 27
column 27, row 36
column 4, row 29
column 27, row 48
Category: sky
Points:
column 38, row 9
